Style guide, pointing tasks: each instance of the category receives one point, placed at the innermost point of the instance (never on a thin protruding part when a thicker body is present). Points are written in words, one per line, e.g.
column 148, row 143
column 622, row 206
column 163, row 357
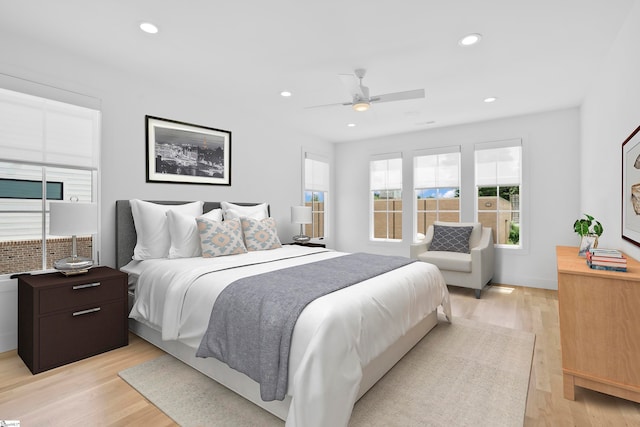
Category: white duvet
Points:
column 333, row 338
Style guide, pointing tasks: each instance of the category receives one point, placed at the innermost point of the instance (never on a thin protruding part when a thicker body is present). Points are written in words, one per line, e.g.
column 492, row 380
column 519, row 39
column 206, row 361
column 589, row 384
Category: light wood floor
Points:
column 90, row 393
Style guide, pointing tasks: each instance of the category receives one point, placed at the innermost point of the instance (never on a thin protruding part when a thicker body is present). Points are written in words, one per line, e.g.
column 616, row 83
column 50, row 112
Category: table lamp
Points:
column 72, row 219
column 301, row 215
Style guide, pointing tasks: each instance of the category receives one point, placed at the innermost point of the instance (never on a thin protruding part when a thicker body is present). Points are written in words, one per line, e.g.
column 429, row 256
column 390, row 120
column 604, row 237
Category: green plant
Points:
column 514, row 234
column 588, row 225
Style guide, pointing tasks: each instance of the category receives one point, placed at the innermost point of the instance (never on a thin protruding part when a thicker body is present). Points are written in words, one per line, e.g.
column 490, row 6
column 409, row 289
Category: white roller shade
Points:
column 438, row 170
column 316, row 174
column 498, row 166
column 42, row 131
column 386, row 174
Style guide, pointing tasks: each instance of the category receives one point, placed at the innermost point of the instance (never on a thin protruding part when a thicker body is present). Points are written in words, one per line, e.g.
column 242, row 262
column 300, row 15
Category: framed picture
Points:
column 631, row 188
column 184, row 153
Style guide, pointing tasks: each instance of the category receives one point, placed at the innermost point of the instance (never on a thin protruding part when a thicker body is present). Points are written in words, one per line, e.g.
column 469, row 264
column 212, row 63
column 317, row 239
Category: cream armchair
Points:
column 471, row 270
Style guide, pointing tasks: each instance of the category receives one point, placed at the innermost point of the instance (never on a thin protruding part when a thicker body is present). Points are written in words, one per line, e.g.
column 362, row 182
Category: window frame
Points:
column 388, row 188
column 65, row 104
column 313, row 188
column 522, row 230
column 416, row 212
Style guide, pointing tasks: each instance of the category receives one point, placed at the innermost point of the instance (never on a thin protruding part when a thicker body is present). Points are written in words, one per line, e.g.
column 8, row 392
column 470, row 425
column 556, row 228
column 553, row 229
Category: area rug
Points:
column 461, row 374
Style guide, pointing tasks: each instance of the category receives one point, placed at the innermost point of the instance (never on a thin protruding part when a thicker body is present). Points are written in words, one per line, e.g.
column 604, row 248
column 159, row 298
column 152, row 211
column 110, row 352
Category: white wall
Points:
column 266, row 157
column 609, row 113
column 551, row 189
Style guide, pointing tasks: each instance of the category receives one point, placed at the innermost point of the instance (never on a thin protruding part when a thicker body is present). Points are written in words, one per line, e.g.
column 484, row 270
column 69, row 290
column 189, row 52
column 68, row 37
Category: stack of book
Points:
column 606, row 259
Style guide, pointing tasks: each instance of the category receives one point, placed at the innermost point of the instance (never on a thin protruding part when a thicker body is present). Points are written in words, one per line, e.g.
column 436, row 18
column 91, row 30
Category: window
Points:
column 29, row 189
column 498, row 190
column 316, row 194
column 385, row 178
column 436, row 181
column 48, row 151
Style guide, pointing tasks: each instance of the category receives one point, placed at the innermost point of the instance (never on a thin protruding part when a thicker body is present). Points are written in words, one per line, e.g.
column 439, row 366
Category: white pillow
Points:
column 183, row 229
column 150, row 220
column 214, row 214
column 233, row 211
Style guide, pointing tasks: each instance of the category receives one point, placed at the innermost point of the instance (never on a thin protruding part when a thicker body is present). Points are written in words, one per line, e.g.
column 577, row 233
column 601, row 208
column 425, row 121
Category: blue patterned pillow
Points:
column 450, row 239
column 260, row 235
column 219, row 238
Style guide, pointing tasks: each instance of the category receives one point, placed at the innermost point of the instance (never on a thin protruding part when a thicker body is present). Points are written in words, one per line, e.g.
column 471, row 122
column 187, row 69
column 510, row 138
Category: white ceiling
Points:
column 535, row 55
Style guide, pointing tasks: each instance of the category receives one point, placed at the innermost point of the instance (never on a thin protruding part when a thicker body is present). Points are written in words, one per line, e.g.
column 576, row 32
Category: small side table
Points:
column 308, row 244
column 64, row 319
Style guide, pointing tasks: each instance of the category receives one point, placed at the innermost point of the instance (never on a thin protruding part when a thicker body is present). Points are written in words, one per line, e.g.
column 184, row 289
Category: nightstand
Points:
column 308, row 244
column 64, row 319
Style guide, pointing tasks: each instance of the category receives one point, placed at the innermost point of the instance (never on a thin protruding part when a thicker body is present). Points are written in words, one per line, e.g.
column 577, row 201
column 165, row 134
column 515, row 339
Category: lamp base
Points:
column 73, row 265
column 301, row 238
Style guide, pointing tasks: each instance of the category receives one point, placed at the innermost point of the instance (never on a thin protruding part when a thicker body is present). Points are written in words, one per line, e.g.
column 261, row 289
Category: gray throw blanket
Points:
column 252, row 320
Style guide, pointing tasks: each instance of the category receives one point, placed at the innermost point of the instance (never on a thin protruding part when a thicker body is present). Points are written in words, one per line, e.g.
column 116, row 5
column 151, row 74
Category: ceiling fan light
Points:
column 361, row 106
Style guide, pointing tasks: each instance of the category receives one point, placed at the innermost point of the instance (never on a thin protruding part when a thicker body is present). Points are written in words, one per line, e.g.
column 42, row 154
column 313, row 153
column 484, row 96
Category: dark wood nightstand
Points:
column 64, row 319
column 308, row 244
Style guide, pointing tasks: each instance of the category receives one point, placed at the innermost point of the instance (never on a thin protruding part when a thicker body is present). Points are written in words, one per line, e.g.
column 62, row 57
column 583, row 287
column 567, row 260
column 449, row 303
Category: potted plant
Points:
column 589, row 230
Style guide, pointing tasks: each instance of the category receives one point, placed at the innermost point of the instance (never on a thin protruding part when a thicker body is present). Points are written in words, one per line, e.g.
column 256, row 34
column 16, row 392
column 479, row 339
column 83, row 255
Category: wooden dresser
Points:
column 599, row 326
column 64, row 319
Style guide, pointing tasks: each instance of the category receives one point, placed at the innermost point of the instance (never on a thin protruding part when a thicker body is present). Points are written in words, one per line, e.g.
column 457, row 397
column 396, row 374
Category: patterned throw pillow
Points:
column 220, row 238
column 260, row 235
column 450, row 239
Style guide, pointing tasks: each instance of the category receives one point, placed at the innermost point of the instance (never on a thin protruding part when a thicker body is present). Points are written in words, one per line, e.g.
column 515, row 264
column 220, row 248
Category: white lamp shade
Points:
column 73, row 218
column 301, row 215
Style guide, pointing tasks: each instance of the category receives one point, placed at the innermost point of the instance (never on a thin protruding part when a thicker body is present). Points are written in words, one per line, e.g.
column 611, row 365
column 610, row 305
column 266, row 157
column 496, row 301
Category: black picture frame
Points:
column 631, row 188
column 185, row 153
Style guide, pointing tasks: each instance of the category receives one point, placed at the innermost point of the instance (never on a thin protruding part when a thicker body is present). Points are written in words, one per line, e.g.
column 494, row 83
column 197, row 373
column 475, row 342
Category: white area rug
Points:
column 460, row 374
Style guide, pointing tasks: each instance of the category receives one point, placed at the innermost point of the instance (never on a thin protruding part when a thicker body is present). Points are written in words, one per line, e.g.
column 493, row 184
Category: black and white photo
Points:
column 185, row 153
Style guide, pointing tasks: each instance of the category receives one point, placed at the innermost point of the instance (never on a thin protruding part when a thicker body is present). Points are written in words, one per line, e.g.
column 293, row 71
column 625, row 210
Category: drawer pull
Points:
column 88, row 285
column 91, row 310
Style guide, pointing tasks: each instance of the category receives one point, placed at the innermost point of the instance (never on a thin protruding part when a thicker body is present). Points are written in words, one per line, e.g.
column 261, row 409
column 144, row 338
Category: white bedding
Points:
column 335, row 336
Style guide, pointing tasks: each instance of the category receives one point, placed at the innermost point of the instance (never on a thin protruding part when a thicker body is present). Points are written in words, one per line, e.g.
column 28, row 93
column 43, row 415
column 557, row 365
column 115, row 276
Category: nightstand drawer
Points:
column 80, row 294
column 83, row 332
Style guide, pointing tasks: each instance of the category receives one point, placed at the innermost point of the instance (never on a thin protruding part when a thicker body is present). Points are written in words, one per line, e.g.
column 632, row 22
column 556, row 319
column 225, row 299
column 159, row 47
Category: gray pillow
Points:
column 450, row 239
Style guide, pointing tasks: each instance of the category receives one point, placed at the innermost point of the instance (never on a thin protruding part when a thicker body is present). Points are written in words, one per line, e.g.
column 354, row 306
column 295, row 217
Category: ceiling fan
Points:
column 360, row 99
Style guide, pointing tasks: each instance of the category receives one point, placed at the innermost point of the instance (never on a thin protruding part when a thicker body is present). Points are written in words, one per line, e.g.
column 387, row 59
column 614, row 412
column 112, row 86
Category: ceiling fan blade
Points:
column 352, row 84
column 399, row 96
column 328, row 105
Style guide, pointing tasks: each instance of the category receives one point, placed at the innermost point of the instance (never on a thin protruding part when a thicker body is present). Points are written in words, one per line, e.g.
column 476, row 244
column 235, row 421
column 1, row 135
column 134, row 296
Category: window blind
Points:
column 385, row 173
column 46, row 132
column 437, row 170
column 498, row 165
column 316, row 173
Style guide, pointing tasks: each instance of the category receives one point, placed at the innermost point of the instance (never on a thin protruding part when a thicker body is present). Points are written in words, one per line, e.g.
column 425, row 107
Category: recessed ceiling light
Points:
column 470, row 39
column 285, row 93
column 148, row 27
column 351, row 125
column 490, row 99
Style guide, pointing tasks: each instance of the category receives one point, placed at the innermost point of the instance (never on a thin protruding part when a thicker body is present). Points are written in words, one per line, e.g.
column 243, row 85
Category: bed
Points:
column 342, row 343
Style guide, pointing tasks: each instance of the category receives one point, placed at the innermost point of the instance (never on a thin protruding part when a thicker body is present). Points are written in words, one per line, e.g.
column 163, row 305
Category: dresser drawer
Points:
column 74, row 335
column 80, row 294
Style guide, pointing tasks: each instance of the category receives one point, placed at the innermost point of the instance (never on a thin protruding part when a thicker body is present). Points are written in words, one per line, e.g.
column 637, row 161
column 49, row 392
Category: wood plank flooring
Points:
column 90, row 393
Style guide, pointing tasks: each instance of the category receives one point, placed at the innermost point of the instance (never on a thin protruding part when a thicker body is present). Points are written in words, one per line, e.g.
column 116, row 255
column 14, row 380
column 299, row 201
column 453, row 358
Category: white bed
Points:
column 342, row 343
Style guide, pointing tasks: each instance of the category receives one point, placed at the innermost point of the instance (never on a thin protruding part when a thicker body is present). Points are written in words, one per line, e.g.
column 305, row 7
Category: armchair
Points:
column 471, row 270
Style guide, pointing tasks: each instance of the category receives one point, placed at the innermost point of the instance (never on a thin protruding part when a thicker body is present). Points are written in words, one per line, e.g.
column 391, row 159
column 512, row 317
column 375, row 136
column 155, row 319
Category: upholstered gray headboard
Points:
column 126, row 231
